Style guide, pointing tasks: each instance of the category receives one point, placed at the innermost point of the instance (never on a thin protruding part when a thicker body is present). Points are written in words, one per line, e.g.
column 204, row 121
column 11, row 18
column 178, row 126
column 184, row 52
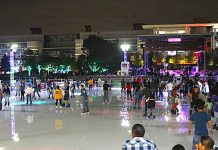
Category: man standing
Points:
column 138, row 142
column 200, row 119
column 36, row 90
column 7, row 93
column 66, row 94
column 85, row 100
column 29, row 92
column 169, row 88
column 123, row 86
column 106, row 88
column 22, row 90
column 17, row 86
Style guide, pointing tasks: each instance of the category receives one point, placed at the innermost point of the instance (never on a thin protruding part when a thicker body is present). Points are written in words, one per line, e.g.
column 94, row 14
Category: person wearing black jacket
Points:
column 6, row 93
column 147, row 95
column 106, row 88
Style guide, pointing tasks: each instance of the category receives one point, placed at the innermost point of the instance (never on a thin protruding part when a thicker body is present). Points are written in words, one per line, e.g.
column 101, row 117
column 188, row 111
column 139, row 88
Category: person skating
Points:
column 123, row 86
column 58, row 96
column 85, row 100
column 200, row 119
column 17, row 86
column 129, row 90
column 72, row 90
column 29, row 92
column 66, row 94
column 50, row 92
column 22, row 91
column 6, row 93
column 36, row 90
column 106, row 88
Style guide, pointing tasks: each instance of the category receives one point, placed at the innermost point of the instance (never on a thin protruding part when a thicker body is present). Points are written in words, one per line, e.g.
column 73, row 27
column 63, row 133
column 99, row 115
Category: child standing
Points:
column 174, row 109
column 58, row 96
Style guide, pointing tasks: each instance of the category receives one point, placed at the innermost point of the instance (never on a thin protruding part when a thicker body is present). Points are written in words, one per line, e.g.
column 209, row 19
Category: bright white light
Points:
column 2, row 148
column 125, row 123
column 181, row 31
column 166, row 118
column 125, row 47
column 14, row 47
column 16, row 138
column 162, row 32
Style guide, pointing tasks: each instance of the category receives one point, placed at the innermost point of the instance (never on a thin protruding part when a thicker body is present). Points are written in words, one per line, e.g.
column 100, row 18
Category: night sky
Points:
column 70, row 16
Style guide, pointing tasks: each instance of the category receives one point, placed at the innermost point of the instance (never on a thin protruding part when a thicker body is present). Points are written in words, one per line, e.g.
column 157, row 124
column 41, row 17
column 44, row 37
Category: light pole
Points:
column 125, row 48
column 124, row 63
column 13, row 49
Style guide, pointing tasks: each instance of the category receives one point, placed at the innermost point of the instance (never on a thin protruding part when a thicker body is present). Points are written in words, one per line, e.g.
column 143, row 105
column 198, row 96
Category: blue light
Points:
column 40, row 102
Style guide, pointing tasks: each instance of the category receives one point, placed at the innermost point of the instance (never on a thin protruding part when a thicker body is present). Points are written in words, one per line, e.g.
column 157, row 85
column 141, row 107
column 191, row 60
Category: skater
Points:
column 129, row 90
column 29, row 92
column 147, row 94
column 17, row 86
column 6, row 92
column 85, row 100
column 36, row 90
column 50, row 92
column 72, row 90
column 22, row 91
column 138, row 97
column 66, row 94
column 58, row 97
column 106, row 88
column 90, row 83
column 123, row 87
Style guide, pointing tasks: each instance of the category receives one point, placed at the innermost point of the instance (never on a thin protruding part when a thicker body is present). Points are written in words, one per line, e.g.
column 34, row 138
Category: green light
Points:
column 39, row 67
column 29, row 69
column 94, row 67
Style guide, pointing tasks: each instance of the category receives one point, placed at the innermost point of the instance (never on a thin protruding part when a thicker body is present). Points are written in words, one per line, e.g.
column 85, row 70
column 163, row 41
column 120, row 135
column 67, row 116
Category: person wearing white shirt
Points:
column 169, row 88
column 29, row 92
column 200, row 85
column 205, row 88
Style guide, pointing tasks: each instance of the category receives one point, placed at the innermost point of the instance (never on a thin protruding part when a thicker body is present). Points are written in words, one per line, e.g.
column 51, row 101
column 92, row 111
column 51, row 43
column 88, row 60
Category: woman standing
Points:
column 6, row 93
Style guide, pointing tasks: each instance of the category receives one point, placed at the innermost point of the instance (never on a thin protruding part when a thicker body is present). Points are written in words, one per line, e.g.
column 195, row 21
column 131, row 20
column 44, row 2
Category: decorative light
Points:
column 14, row 47
column 14, row 134
column 39, row 67
column 174, row 39
column 29, row 68
column 125, row 47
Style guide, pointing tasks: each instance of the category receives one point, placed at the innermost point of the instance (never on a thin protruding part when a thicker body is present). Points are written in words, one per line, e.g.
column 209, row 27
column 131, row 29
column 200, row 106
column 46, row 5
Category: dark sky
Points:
column 70, row 16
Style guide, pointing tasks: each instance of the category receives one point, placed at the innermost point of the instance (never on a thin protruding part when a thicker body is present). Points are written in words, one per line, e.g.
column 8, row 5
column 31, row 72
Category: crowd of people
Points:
column 200, row 93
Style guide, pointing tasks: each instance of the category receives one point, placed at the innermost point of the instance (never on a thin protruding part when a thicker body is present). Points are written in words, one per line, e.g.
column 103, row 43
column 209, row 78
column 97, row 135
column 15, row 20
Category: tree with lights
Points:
column 102, row 52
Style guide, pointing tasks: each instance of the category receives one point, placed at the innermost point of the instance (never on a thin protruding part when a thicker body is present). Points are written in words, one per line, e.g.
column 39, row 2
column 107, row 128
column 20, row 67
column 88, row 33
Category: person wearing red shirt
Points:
column 128, row 89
